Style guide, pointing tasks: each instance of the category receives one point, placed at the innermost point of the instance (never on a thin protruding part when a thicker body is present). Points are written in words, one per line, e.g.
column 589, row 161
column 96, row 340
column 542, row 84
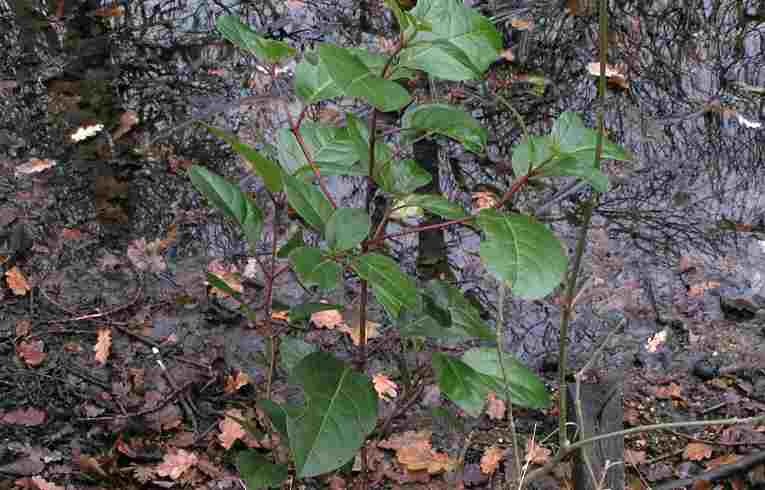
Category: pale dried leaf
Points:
column 233, row 383
column 537, row 454
column 103, row 345
column 328, row 319
column 696, row 451
column 176, row 463
column 17, row 281
column 34, row 165
column 491, row 458
column 495, row 408
column 385, row 388
column 230, row 429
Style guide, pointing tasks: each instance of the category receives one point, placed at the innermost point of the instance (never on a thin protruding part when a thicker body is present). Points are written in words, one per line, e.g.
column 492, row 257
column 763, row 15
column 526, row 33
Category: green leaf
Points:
column 314, row 268
column 532, row 152
column 393, row 289
column 347, row 227
column 329, row 145
column 465, row 318
column 268, row 170
column 460, row 383
column 308, row 202
column 241, row 35
column 292, row 350
column 230, row 199
column 572, row 136
column 526, row 388
column 522, row 252
column 340, row 412
column 460, row 45
column 313, row 82
column 400, row 176
column 434, row 203
column 291, row 156
column 375, row 62
column 353, row 77
column 303, row 312
column 275, row 412
column 258, row 472
column 295, row 241
column 449, row 121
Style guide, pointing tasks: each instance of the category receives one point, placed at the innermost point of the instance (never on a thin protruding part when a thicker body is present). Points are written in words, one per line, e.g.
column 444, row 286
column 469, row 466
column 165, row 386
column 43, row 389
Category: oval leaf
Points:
column 314, row 268
column 241, row 35
column 340, row 412
column 448, row 121
column 393, row 289
column 258, row 472
column 230, row 199
column 269, row 171
column 347, row 227
column 460, row 383
column 526, row 388
column 522, row 252
column 356, row 80
column 308, row 202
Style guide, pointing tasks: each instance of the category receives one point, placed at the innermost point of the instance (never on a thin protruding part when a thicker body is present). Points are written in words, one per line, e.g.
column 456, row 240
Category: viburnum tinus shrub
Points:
column 446, row 40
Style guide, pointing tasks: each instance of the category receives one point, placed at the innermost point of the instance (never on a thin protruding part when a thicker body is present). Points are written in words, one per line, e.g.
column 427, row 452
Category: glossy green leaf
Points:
column 308, row 201
column 460, row 45
column 259, row 472
column 347, row 227
column 241, row 35
column 434, row 203
column 526, row 388
column 313, row 82
column 522, row 252
column 356, row 80
column 460, row 383
column 227, row 197
column 269, row 171
column 291, row 156
column 393, row 289
column 314, row 268
column 452, row 122
column 292, row 350
column 375, row 62
column 572, row 136
column 400, row 176
column 532, row 152
column 340, row 412
column 329, row 145
column 465, row 318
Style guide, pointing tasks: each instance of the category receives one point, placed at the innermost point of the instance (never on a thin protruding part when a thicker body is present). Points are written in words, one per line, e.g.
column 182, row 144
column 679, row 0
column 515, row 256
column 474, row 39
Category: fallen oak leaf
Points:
column 491, row 458
column 176, row 463
column 103, row 345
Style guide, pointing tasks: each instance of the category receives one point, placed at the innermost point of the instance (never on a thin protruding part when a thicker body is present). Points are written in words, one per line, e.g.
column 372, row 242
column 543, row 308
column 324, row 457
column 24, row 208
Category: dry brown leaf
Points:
column 117, row 11
column 484, row 200
column 29, row 417
column 522, row 24
column 696, row 451
column 495, row 408
column 33, row 352
column 672, row 391
column 233, row 383
column 537, row 454
column 416, row 457
column 397, row 441
column 34, row 165
column 441, row 463
column 634, row 457
column 355, row 332
column 17, row 281
column 491, row 458
column 103, row 345
column 230, row 429
column 176, row 463
column 328, row 319
column 43, row 484
column 385, row 388
column 726, row 460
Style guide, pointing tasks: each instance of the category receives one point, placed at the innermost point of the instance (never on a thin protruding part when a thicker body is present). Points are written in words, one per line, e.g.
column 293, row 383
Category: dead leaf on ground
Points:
column 230, row 429
column 28, row 417
column 33, row 352
column 233, row 383
column 329, row 319
column 491, row 458
column 673, row 390
column 17, row 281
column 23, row 327
column 696, row 451
column 176, row 463
column 495, row 408
column 103, row 345
column 385, row 388
column 34, row 166
column 43, row 484
column 227, row 274
column 537, row 454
